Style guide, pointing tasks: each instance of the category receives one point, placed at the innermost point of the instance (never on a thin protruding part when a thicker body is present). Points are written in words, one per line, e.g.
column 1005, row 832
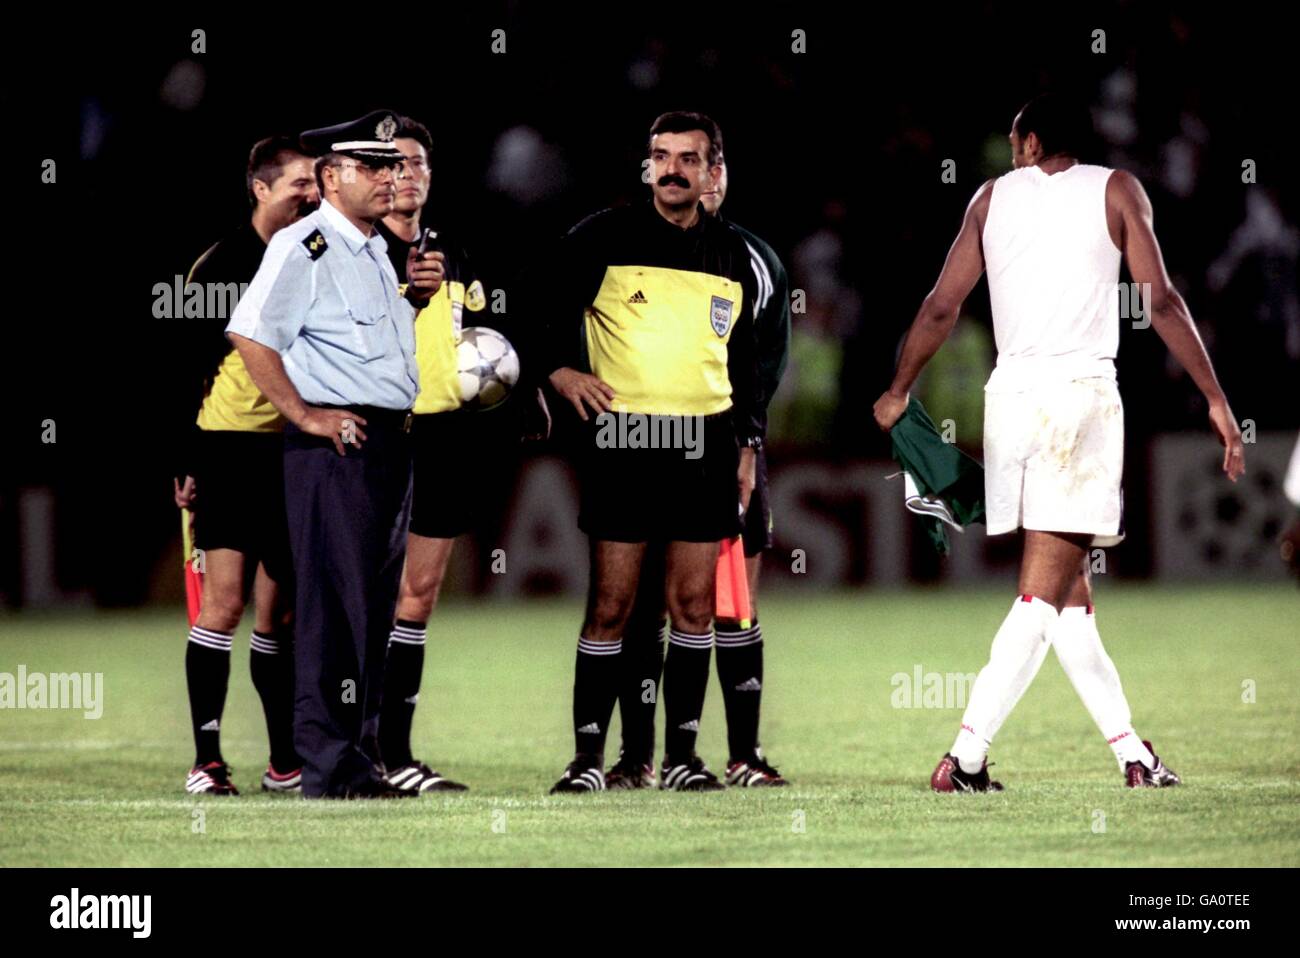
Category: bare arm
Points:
column 1168, row 311
column 939, row 310
column 266, row 369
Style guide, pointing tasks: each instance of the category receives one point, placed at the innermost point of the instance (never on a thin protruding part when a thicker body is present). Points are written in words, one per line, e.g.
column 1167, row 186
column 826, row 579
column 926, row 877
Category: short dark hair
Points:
column 684, row 121
column 1063, row 125
column 414, row 130
column 327, row 159
column 266, row 161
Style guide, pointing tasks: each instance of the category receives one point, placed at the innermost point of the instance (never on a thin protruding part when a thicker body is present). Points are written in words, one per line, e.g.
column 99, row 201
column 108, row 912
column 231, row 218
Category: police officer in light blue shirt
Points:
column 329, row 338
column 344, row 333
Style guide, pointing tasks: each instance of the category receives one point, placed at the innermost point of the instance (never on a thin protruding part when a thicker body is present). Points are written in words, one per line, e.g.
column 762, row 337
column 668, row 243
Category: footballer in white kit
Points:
column 1051, row 234
column 1053, row 424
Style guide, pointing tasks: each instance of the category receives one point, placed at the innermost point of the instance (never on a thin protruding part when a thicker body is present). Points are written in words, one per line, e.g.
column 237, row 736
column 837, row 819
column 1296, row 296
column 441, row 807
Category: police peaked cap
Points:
column 369, row 139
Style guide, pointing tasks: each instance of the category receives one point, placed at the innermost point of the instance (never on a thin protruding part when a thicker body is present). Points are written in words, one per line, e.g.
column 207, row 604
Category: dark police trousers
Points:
column 347, row 527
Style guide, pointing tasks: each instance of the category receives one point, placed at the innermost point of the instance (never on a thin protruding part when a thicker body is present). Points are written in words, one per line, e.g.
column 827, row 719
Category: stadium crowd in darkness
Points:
column 835, row 158
column 864, row 239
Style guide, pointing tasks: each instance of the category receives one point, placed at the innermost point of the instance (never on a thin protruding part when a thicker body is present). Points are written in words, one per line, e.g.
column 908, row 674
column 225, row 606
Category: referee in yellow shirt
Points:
column 230, row 478
column 455, row 452
column 649, row 329
column 739, row 646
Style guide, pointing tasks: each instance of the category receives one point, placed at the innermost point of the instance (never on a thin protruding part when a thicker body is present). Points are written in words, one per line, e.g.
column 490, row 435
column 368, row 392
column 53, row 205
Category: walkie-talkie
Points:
column 428, row 244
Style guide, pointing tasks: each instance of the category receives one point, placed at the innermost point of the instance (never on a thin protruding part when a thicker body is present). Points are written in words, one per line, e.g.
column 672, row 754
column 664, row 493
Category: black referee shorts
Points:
column 465, row 460
column 644, row 495
column 239, row 498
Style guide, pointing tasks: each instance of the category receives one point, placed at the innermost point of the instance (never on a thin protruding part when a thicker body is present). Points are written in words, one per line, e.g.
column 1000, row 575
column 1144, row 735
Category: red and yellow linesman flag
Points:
column 731, row 597
column 193, row 577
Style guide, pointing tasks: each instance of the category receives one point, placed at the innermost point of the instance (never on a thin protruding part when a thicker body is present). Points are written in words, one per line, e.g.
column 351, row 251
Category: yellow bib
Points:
column 234, row 403
column 659, row 336
column 437, row 330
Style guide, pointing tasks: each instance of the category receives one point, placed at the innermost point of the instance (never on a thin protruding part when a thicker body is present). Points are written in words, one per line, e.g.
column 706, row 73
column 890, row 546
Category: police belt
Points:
column 392, row 420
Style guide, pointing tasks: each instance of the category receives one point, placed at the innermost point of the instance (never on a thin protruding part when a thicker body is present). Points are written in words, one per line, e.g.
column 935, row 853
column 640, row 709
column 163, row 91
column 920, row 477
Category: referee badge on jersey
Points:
column 475, row 298
column 720, row 315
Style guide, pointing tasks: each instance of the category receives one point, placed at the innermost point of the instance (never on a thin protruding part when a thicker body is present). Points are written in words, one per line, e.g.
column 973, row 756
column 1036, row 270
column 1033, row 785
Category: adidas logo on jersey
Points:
column 750, row 685
column 590, row 729
column 213, row 726
column 638, row 297
column 692, row 726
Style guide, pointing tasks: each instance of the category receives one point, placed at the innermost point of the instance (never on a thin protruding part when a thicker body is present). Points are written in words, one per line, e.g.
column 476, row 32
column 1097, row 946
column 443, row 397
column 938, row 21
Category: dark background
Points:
column 835, row 158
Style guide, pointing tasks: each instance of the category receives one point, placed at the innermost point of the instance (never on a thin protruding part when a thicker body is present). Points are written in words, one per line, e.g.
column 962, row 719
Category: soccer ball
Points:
column 487, row 367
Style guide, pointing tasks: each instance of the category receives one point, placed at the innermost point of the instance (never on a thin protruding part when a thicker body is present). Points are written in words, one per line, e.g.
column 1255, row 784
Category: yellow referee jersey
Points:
column 661, row 314
column 230, row 400
column 438, row 324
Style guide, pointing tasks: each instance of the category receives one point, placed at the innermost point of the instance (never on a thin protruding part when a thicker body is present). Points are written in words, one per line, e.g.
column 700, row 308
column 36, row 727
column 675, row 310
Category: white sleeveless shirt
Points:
column 1053, row 277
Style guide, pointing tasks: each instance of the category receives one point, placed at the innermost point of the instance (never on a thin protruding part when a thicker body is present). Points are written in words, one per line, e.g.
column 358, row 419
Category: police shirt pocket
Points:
column 366, row 332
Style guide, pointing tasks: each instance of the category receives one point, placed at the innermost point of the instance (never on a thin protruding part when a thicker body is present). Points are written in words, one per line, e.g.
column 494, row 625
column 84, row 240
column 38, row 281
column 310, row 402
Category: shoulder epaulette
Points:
column 315, row 244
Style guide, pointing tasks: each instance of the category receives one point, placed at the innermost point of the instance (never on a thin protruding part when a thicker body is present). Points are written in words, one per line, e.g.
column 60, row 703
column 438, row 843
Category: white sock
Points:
column 1017, row 653
column 1094, row 677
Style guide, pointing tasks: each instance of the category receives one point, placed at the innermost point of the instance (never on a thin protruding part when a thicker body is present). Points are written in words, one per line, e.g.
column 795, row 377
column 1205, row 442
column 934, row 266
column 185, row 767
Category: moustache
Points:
column 671, row 180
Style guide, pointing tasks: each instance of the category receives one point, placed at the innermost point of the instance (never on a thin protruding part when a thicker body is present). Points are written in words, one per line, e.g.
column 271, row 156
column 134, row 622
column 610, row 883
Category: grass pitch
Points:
column 1211, row 674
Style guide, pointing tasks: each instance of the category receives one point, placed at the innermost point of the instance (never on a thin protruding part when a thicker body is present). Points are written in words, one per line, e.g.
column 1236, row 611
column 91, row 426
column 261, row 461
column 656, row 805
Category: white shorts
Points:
column 1053, row 460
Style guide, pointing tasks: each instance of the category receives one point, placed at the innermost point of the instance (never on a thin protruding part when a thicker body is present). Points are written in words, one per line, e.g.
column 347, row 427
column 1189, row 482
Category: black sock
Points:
column 740, row 672
column 270, row 663
column 686, row 678
column 402, row 674
column 595, row 686
column 641, row 664
column 207, row 674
